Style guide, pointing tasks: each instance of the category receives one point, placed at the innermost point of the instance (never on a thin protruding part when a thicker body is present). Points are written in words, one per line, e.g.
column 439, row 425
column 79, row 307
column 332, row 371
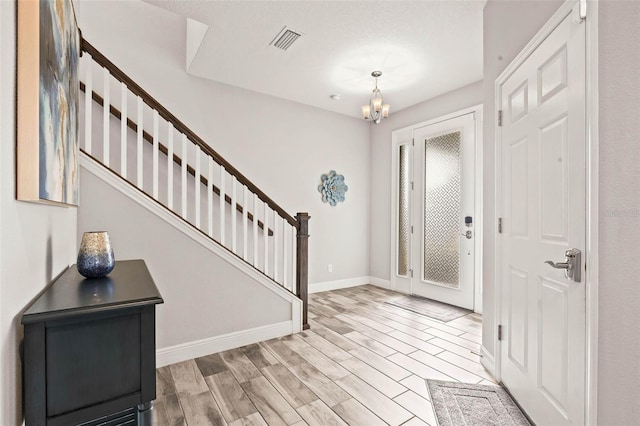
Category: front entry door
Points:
column 542, row 189
column 443, row 248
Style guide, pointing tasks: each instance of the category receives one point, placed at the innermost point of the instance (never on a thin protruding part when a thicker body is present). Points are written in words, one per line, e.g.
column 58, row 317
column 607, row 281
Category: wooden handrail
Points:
column 162, row 148
column 121, row 76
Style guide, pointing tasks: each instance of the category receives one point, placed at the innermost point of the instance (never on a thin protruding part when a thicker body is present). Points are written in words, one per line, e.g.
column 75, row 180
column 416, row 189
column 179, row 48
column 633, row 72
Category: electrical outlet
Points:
column 330, row 267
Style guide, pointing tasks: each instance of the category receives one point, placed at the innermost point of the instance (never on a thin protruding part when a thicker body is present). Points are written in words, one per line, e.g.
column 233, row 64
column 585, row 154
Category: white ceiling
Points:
column 423, row 48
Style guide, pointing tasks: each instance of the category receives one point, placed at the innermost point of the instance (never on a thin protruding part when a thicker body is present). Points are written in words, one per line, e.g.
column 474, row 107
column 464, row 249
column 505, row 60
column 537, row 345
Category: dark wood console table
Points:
column 89, row 349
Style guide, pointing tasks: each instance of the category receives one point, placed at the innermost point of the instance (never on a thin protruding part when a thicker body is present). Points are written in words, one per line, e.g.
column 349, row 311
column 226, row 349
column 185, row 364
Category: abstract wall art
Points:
column 48, row 96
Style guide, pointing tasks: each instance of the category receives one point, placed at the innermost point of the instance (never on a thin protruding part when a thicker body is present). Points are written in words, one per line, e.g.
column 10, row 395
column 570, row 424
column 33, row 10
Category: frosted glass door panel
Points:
column 404, row 225
column 442, row 210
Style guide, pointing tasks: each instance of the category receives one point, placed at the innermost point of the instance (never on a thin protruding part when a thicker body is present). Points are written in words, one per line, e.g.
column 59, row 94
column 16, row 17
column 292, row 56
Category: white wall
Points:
column 37, row 242
column 508, row 27
column 280, row 145
column 380, row 212
column 619, row 213
column 204, row 295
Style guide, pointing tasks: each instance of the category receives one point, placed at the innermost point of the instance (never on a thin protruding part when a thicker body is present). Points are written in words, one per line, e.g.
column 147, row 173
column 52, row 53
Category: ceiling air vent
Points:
column 285, row 38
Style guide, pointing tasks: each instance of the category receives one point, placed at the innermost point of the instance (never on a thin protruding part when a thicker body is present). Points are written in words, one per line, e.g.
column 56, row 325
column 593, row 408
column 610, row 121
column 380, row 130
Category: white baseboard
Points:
column 379, row 282
column 488, row 361
column 349, row 282
column 198, row 348
column 338, row 284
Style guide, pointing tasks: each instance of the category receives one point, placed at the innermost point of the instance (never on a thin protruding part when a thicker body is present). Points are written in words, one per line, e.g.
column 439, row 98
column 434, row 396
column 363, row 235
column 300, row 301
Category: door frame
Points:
column 406, row 133
column 591, row 228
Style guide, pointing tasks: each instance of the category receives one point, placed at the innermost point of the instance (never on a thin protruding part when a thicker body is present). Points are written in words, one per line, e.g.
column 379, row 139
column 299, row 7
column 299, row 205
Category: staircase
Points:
column 150, row 149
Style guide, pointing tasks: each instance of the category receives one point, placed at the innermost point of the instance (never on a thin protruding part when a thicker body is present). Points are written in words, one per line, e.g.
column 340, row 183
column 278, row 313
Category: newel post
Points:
column 302, row 264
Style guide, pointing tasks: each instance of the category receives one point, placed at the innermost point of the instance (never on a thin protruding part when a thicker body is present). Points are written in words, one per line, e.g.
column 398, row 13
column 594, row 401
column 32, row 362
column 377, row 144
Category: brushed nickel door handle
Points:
column 571, row 265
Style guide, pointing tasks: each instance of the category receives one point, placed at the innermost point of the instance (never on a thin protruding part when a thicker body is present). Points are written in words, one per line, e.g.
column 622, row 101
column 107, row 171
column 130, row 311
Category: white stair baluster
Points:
column 170, row 166
column 294, row 239
column 197, row 187
column 265, row 233
column 210, row 197
column 123, row 129
column 245, row 224
column 140, row 119
column 106, row 110
column 275, row 246
column 88, row 104
column 234, row 237
column 255, row 231
column 156, row 130
column 285, row 254
column 222, row 206
column 183, row 175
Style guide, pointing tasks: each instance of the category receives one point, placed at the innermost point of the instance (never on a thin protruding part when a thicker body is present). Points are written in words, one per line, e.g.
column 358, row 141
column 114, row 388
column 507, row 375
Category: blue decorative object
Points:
column 95, row 258
column 332, row 188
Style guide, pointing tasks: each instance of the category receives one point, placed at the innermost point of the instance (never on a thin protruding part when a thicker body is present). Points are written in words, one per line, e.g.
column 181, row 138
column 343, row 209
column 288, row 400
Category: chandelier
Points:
column 376, row 110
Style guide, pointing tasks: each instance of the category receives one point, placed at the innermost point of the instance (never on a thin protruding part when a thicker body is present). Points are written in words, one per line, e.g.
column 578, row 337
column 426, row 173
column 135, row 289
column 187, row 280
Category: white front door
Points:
column 443, row 207
column 542, row 191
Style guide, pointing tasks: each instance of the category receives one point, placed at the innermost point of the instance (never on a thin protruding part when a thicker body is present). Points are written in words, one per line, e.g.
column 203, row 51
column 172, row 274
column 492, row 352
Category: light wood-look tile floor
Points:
column 363, row 362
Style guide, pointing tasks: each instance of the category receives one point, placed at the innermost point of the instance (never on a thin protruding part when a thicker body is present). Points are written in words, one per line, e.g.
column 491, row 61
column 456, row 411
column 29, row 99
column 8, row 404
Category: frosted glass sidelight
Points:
column 442, row 210
column 403, row 211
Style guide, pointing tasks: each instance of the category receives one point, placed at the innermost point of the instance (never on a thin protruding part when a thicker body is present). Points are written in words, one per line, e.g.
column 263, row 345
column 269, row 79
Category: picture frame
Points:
column 47, row 152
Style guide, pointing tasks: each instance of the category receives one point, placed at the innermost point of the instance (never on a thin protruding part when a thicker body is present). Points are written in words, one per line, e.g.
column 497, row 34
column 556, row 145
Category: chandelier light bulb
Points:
column 366, row 112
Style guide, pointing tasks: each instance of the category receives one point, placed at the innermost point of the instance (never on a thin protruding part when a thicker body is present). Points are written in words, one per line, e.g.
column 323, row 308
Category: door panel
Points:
column 404, row 210
column 441, row 241
column 443, row 257
column 518, row 318
column 553, row 181
column 402, row 157
column 543, row 190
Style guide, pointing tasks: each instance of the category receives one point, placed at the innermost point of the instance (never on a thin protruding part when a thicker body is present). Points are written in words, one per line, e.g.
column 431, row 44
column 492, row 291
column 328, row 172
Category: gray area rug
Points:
column 458, row 404
column 430, row 308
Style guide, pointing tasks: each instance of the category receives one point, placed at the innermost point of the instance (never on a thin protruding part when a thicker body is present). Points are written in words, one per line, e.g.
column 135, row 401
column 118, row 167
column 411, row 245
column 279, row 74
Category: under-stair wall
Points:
column 211, row 303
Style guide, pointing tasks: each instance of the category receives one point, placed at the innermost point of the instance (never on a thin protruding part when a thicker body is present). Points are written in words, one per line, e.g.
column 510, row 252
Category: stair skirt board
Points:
column 95, row 168
column 198, row 348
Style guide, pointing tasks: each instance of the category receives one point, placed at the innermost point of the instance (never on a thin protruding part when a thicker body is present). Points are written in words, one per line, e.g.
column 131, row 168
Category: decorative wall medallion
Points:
column 332, row 188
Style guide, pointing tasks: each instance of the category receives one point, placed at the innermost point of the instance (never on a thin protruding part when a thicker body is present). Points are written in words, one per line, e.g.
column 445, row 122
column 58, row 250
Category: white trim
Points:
column 497, row 188
column 95, row 168
column 488, row 361
column 350, row 282
column 211, row 345
column 591, row 275
column 591, row 257
column 379, row 282
column 479, row 210
column 338, row 284
column 398, row 138
column 436, row 120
